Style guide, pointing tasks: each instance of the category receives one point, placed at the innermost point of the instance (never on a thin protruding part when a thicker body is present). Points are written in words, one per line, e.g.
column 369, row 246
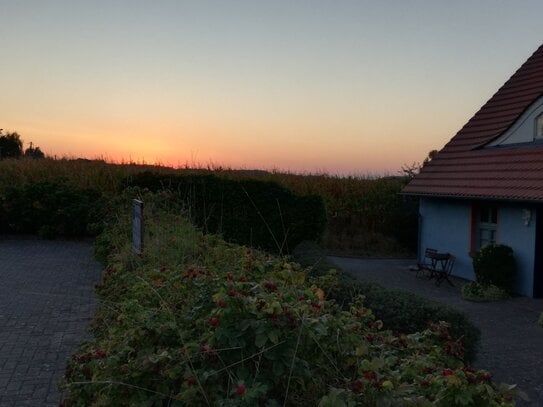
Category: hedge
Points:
column 259, row 214
column 50, row 209
column 399, row 310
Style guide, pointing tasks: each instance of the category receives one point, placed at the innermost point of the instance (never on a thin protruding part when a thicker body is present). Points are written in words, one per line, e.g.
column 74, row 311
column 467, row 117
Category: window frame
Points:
column 538, row 127
column 484, row 218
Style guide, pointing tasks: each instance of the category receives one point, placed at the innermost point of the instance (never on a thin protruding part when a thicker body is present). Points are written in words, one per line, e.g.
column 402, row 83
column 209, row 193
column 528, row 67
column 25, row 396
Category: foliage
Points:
column 51, row 209
column 495, row 264
column 11, row 145
column 365, row 216
column 477, row 292
column 255, row 213
column 368, row 217
column 34, row 152
column 197, row 321
column 399, row 310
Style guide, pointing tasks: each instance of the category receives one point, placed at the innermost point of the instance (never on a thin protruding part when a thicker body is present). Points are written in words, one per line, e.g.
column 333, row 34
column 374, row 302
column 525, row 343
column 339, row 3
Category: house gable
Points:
column 464, row 168
column 524, row 130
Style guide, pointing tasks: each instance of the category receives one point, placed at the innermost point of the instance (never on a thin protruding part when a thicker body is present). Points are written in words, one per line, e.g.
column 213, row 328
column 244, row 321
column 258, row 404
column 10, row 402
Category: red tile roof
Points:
column 463, row 169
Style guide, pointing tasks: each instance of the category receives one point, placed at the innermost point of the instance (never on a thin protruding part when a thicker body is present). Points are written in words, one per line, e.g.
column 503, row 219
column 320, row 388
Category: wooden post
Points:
column 137, row 226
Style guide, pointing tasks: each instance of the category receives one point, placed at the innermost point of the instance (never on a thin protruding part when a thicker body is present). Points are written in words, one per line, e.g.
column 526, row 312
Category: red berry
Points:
column 370, row 375
column 214, row 321
column 425, row 383
column 241, row 389
column 191, row 380
column 356, row 386
column 447, row 372
column 270, row 285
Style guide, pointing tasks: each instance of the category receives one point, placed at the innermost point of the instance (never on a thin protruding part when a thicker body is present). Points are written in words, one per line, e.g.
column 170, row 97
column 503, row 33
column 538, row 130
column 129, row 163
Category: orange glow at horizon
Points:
column 347, row 88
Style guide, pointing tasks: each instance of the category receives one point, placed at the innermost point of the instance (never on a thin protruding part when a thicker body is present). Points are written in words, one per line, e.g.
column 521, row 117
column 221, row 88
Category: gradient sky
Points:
column 349, row 87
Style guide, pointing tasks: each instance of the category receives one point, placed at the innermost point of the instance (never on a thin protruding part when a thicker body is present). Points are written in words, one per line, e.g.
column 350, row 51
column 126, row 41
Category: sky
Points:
column 344, row 87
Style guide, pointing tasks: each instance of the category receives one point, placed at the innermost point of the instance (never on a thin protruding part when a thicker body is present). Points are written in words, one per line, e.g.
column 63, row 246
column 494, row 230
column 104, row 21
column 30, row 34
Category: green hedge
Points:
column 399, row 310
column 406, row 312
column 249, row 212
column 50, row 209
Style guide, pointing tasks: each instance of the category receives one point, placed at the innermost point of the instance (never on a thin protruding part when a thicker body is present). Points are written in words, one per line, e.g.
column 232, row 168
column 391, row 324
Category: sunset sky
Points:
column 348, row 87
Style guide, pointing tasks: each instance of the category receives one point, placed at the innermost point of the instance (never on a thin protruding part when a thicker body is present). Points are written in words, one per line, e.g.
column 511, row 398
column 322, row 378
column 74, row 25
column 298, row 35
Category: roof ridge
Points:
column 462, row 168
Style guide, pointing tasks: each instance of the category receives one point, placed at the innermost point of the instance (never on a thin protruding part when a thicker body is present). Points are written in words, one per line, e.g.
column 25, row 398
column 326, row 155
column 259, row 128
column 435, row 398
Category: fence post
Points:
column 137, row 226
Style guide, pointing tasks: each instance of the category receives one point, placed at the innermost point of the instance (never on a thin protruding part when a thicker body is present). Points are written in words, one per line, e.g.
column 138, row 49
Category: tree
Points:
column 34, row 152
column 11, row 145
column 410, row 171
column 431, row 156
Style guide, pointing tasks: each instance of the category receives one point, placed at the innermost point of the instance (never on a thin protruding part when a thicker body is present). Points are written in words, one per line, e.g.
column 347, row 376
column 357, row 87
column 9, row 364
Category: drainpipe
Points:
column 419, row 238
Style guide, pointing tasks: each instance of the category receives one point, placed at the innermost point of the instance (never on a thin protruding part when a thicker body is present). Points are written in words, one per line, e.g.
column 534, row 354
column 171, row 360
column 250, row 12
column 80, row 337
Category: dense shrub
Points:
column 370, row 217
column 255, row 213
column 50, row 208
column 477, row 292
column 405, row 312
column 495, row 264
column 399, row 310
column 365, row 215
column 195, row 321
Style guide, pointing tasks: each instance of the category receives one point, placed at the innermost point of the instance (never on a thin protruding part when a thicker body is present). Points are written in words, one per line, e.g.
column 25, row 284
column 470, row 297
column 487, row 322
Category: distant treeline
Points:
column 11, row 146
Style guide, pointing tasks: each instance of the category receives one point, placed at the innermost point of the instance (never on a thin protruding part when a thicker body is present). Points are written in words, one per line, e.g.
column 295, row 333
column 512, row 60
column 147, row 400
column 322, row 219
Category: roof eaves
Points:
column 473, row 197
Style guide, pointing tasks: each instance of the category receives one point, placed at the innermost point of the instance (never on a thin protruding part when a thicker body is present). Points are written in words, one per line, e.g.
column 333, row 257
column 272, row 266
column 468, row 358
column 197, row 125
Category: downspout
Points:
column 419, row 236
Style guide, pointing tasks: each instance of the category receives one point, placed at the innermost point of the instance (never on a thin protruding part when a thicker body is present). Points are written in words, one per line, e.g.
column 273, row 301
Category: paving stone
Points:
column 511, row 345
column 46, row 304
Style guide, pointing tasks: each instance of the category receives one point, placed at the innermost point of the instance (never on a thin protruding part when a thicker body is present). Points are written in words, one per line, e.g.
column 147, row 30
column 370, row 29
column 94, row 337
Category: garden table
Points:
column 438, row 265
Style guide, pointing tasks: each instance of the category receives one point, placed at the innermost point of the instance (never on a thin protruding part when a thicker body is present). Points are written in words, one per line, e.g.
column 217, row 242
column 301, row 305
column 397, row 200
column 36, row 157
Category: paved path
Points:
column 511, row 342
column 46, row 303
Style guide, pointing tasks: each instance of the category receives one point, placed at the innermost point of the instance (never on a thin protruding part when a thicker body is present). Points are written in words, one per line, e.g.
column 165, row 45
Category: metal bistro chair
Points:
column 445, row 273
column 425, row 269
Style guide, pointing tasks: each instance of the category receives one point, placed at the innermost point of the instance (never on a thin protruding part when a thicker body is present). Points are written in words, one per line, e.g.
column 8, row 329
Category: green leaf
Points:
column 261, row 340
column 273, row 336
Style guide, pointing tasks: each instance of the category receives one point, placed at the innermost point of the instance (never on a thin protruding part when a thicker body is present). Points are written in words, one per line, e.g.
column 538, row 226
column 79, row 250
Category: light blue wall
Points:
column 446, row 227
column 513, row 232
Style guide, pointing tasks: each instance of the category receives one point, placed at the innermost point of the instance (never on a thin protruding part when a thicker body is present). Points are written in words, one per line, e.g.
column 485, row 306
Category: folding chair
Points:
column 426, row 268
column 446, row 272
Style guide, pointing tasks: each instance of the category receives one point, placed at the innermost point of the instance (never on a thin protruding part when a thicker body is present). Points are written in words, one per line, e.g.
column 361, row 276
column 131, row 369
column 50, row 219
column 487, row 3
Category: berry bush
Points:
column 197, row 321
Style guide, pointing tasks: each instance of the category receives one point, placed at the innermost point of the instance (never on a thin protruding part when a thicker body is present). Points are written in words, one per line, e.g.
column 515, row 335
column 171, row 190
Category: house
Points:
column 486, row 185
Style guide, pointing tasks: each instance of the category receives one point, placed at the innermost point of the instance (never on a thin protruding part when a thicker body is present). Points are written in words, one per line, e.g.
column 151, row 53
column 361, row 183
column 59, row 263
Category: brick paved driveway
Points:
column 46, row 303
column 511, row 342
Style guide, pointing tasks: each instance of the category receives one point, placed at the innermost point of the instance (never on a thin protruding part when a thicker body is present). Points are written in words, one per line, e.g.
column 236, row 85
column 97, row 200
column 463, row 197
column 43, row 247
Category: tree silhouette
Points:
column 11, row 145
column 410, row 171
column 34, row 152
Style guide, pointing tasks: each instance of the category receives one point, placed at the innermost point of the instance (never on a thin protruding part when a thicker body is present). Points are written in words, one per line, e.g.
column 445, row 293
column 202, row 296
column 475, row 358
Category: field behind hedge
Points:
column 365, row 216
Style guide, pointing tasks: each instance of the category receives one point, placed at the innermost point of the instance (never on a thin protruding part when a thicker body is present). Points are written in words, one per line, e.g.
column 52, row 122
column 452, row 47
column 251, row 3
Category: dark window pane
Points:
column 494, row 215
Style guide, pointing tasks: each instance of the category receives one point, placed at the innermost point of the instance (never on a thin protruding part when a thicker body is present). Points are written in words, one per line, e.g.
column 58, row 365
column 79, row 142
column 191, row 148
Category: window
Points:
column 487, row 226
column 539, row 127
